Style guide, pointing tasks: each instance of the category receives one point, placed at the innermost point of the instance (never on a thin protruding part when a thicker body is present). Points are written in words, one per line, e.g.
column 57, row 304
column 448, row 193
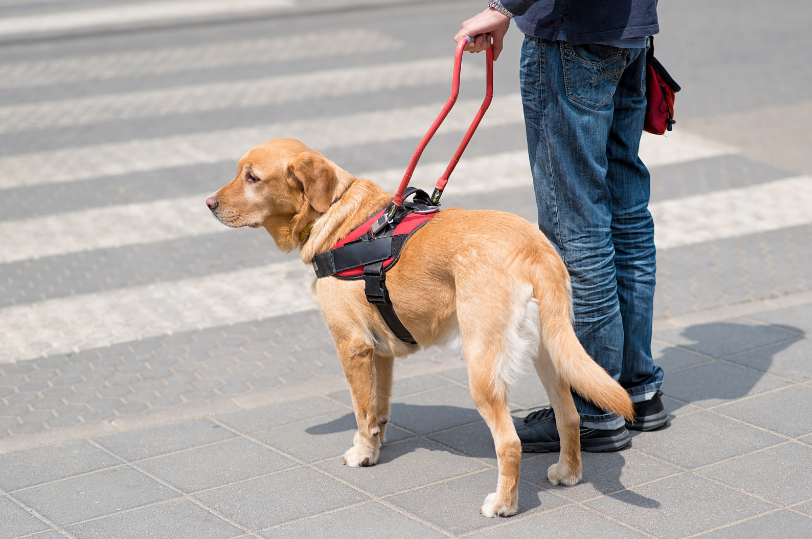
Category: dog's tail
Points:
column 571, row 361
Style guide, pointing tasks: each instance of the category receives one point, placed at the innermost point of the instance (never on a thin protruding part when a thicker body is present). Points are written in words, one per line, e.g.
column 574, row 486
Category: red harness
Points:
column 374, row 247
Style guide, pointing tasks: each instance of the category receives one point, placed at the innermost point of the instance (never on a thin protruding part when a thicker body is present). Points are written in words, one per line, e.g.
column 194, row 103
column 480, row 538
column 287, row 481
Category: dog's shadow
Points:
column 466, row 433
column 472, row 438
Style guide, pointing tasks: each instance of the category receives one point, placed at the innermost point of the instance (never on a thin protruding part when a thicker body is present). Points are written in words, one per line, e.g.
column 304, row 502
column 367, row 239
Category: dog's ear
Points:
column 317, row 176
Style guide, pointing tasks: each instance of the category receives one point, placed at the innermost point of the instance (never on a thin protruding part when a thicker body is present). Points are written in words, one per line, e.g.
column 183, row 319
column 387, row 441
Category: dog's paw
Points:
column 358, row 456
column 493, row 507
column 556, row 474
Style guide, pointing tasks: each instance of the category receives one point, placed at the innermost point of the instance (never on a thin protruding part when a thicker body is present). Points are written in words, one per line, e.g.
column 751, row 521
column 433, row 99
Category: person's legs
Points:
column 584, row 109
column 633, row 232
column 567, row 95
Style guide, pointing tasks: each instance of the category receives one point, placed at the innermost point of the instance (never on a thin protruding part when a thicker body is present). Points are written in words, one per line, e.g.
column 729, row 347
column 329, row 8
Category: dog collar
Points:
column 304, row 235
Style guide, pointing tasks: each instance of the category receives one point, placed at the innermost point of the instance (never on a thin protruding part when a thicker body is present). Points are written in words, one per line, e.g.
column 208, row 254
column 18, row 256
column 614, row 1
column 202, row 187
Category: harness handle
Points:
column 455, row 91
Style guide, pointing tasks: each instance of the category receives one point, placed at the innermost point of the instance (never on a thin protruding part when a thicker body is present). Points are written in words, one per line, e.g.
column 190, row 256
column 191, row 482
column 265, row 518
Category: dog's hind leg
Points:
column 494, row 345
column 357, row 359
column 492, row 405
column 567, row 470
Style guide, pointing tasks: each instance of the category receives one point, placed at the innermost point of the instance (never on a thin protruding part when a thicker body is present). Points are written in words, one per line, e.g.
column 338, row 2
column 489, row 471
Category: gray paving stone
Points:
column 717, row 382
column 603, row 473
column 454, row 505
column 663, row 509
column 17, row 521
column 793, row 361
column 216, row 465
column 179, row 519
column 778, row 525
column 799, row 317
column 702, row 438
column 400, row 388
column 403, row 466
column 23, row 469
column 281, row 497
column 566, row 523
column 435, row 410
column 722, row 339
column 321, row 438
column 786, row 411
column 267, row 417
column 52, row 534
column 780, row 474
column 46, row 404
column 15, row 410
column 198, row 395
column 672, row 358
column 805, row 508
column 144, row 443
column 94, row 495
column 366, row 520
column 27, row 428
column 474, row 440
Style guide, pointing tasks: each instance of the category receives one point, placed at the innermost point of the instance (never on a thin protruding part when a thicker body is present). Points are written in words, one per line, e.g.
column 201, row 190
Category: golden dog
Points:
column 486, row 278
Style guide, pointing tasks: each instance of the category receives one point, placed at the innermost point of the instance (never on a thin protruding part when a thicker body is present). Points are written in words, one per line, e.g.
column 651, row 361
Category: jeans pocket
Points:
column 592, row 72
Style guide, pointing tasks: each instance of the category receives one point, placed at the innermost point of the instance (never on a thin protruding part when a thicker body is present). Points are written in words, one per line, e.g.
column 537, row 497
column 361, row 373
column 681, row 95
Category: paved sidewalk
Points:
column 735, row 458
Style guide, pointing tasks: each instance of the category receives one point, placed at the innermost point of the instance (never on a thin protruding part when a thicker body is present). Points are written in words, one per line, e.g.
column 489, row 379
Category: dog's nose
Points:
column 212, row 203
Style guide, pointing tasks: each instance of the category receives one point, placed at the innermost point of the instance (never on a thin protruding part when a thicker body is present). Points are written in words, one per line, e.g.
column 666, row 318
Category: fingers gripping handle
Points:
column 455, row 91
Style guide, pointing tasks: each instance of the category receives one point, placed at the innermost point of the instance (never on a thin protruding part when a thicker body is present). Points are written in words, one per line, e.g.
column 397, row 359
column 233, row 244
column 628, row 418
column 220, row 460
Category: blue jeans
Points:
column 584, row 108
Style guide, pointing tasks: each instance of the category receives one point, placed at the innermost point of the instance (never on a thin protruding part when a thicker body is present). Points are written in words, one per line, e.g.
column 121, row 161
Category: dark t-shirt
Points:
column 585, row 21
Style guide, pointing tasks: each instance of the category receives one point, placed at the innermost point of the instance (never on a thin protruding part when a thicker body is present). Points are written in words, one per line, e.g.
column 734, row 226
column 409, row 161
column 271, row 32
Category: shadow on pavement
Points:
column 728, row 341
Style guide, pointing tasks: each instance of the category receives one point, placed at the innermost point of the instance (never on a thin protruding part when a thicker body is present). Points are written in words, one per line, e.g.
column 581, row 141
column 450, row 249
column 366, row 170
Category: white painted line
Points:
column 679, row 147
column 87, row 162
column 260, row 52
column 110, row 226
column 237, row 94
column 124, row 14
column 95, row 320
column 732, row 213
column 168, row 219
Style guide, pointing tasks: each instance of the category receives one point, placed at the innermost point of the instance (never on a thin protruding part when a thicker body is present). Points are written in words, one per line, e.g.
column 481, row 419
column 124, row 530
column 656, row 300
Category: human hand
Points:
column 490, row 24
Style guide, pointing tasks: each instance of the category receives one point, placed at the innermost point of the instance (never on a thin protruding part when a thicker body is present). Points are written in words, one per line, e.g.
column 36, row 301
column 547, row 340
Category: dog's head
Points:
column 281, row 185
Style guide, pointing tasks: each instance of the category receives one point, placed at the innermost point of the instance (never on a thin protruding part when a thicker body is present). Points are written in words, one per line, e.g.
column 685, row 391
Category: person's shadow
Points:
column 704, row 344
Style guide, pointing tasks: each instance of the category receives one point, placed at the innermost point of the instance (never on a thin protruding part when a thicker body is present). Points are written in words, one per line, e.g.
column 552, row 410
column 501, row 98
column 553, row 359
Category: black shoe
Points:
column 649, row 415
column 539, row 434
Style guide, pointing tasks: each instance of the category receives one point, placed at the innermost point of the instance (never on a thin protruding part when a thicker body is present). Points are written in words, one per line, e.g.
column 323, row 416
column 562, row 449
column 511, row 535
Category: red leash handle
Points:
column 441, row 183
column 455, row 91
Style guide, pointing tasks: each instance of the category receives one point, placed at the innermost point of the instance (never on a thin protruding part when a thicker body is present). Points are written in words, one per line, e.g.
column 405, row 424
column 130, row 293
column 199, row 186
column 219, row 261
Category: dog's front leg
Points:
column 360, row 371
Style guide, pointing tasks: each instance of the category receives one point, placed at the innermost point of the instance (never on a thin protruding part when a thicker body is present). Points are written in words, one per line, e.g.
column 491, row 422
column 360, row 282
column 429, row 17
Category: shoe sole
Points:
column 648, row 423
column 605, row 445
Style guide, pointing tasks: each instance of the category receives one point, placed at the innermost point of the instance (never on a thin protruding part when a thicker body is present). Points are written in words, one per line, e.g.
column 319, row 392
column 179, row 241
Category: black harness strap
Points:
column 370, row 251
column 352, row 255
column 377, row 294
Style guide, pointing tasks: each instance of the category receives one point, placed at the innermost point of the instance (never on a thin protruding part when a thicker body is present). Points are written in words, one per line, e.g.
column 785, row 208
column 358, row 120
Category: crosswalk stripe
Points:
column 128, row 14
column 207, row 97
column 101, row 319
column 86, row 162
column 734, row 212
column 168, row 219
column 94, row 320
column 193, row 58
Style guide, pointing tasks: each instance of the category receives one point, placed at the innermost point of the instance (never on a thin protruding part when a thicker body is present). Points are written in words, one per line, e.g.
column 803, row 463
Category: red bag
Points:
column 660, row 90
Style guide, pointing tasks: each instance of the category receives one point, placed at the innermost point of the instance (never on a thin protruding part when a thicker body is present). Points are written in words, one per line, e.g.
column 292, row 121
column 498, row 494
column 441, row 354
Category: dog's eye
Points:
column 251, row 178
